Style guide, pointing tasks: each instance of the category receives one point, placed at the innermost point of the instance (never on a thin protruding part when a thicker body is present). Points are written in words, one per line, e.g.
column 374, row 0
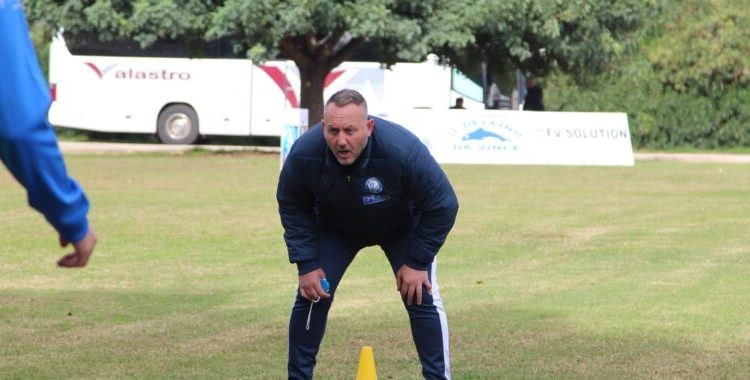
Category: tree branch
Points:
column 297, row 55
column 346, row 52
column 312, row 44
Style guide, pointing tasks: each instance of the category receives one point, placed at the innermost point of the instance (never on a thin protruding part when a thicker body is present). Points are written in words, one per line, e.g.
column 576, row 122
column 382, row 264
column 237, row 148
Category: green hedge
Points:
column 659, row 116
column 686, row 86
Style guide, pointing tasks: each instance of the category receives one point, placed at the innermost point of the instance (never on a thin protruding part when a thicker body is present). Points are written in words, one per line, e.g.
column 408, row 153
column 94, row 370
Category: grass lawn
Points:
column 550, row 272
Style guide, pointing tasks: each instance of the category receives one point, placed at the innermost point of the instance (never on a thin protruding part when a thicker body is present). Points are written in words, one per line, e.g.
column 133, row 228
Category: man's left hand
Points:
column 83, row 250
column 410, row 281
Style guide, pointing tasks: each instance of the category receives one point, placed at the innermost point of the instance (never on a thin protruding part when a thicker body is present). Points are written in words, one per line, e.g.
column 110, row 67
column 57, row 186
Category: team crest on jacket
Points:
column 373, row 185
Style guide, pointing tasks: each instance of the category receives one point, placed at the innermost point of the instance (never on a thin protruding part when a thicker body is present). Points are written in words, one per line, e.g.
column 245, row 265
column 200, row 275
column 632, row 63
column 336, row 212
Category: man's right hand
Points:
column 309, row 285
column 83, row 251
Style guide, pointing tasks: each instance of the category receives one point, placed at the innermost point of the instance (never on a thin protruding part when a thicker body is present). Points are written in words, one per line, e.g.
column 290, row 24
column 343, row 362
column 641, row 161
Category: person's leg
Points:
column 308, row 320
column 429, row 324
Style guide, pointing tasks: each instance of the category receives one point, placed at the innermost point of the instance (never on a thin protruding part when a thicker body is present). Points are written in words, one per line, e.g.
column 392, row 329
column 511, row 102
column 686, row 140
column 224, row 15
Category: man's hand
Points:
column 309, row 285
column 83, row 250
column 409, row 282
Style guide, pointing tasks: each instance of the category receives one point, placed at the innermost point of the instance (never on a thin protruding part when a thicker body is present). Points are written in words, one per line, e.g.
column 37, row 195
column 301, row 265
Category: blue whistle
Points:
column 324, row 283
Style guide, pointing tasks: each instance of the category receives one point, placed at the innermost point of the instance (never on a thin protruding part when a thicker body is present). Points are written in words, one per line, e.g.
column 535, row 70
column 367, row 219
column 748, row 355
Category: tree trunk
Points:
column 315, row 58
column 312, row 78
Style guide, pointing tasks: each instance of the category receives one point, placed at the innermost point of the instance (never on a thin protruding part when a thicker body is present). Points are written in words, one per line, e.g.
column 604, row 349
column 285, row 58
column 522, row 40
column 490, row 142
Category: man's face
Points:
column 346, row 130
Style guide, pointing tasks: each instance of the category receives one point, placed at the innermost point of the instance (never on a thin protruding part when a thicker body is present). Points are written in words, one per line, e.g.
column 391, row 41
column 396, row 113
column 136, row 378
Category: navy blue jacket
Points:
column 28, row 145
column 395, row 185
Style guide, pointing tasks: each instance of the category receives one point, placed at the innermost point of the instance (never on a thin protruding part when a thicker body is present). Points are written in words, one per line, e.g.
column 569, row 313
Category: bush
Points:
column 687, row 85
column 660, row 118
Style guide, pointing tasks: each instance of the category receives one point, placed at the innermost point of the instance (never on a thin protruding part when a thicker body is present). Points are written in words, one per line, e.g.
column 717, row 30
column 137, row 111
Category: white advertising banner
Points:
column 294, row 125
column 521, row 137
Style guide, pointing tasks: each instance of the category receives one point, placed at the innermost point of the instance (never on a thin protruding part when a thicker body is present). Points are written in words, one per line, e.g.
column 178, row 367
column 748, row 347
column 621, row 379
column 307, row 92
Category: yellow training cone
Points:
column 366, row 369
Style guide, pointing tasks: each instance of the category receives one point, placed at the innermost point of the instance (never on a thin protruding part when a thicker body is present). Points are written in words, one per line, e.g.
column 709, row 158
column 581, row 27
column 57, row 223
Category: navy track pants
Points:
column 429, row 325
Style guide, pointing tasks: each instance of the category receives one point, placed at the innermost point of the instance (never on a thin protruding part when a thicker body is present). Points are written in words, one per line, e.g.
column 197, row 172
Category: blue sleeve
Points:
column 436, row 201
column 296, row 209
column 28, row 145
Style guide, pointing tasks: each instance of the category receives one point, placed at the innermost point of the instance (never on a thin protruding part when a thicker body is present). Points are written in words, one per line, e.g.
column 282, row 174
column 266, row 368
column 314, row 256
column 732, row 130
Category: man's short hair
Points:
column 347, row 96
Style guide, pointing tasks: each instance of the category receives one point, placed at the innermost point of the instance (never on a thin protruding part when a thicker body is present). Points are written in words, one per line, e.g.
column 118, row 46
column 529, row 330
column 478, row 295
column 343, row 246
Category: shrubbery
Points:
column 662, row 119
column 687, row 86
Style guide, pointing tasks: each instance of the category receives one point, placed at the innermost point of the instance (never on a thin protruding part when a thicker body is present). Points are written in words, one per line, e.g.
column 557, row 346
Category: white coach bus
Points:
column 180, row 99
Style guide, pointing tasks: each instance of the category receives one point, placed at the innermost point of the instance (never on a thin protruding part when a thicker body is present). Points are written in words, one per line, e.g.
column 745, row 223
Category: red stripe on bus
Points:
column 280, row 79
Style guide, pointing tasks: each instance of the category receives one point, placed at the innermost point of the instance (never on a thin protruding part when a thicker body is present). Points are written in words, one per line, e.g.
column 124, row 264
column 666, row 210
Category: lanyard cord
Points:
column 309, row 313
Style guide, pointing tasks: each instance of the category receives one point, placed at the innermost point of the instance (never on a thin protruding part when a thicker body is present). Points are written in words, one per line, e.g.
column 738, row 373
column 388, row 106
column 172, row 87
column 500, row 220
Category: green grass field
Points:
column 550, row 272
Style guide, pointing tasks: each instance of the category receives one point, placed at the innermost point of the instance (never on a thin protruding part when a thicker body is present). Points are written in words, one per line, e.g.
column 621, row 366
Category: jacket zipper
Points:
column 346, row 196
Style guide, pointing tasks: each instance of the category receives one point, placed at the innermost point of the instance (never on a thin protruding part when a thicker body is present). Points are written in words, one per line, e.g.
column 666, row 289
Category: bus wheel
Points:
column 177, row 124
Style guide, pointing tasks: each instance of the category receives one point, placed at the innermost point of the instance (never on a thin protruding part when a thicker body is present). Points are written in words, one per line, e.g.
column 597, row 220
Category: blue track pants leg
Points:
column 429, row 323
column 336, row 253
